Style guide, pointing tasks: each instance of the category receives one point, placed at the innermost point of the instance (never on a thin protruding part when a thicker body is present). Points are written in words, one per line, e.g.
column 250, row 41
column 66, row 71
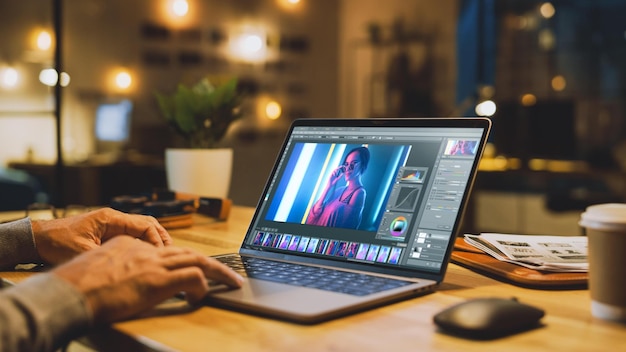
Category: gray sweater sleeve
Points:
column 42, row 312
column 17, row 245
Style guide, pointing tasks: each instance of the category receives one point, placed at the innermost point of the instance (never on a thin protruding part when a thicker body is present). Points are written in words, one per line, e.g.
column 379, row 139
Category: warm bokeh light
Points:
column 177, row 14
column 558, row 83
column 537, row 164
column 180, row 8
column 526, row 22
column 486, row 91
column 528, row 99
column 489, row 151
column 273, row 110
column 290, row 5
column 268, row 111
column 40, row 39
column 44, row 40
column 249, row 45
column 9, row 77
column 49, row 77
column 547, row 40
column 65, row 79
column 123, row 80
column 486, row 108
column 499, row 163
column 547, row 10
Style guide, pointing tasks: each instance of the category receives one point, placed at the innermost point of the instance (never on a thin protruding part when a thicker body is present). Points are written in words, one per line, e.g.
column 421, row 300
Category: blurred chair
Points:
column 18, row 189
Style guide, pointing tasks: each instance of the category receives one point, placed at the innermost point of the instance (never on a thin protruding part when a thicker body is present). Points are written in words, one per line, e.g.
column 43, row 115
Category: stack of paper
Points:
column 548, row 253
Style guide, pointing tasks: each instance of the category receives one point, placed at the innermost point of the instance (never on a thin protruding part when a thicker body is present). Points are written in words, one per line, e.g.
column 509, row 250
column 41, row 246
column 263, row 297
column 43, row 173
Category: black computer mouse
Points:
column 488, row 318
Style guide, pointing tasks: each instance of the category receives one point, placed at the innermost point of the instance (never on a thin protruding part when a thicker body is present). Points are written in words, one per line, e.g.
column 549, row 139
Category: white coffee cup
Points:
column 605, row 227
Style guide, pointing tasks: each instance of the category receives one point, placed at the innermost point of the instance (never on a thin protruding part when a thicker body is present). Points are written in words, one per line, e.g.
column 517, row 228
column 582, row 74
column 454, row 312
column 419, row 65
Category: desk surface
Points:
column 407, row 325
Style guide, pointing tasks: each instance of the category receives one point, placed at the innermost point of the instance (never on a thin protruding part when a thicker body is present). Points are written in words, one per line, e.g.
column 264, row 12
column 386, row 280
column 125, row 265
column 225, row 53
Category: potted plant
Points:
column 201, row 114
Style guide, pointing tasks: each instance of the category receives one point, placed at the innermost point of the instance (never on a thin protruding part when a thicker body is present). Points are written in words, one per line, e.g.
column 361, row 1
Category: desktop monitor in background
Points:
column 112, row 127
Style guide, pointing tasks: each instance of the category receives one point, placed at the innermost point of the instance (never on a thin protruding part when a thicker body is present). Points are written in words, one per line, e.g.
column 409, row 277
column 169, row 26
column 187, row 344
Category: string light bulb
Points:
column 49, row 77
column 180, row 8
column 558, row 83
column 44, row 40
column 9, row 77
column 273, row 110
column 547, row 10
column 528, row 99
column 249, row 45
column 123, row 80
column 65, row 79
column 486, row 108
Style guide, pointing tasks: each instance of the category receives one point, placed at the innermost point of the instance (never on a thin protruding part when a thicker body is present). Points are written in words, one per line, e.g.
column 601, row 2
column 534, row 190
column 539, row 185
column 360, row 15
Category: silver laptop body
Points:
column 397, row 218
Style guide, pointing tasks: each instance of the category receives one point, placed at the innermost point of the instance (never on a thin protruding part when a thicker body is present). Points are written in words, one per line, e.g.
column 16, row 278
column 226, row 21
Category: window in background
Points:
column 570, row 56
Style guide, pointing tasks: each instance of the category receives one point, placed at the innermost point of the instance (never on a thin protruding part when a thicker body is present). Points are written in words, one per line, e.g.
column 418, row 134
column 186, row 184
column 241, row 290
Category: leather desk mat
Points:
column 475, row 259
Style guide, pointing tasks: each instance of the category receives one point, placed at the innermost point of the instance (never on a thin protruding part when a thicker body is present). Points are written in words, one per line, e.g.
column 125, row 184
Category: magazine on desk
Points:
column 547, row 253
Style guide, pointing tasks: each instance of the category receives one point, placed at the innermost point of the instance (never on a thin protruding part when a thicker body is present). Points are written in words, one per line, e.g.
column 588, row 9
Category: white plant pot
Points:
column 203, row 172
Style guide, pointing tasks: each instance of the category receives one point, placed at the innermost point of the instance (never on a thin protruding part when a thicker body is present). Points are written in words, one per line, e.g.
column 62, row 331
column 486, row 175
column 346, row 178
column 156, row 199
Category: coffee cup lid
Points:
column 610, row 216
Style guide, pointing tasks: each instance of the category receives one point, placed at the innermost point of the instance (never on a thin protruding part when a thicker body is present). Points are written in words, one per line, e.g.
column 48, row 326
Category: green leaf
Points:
column 203, row 112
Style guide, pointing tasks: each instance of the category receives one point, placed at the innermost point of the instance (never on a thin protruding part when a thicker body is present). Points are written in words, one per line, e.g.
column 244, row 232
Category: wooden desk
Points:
column 402, row 326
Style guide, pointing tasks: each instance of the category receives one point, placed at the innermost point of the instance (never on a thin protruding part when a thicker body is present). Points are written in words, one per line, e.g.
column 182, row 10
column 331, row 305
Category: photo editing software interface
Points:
column 387, row 196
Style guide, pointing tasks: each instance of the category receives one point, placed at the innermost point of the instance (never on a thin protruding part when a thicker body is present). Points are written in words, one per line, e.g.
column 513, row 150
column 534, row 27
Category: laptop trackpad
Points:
column 267, row 293
column 252, row 290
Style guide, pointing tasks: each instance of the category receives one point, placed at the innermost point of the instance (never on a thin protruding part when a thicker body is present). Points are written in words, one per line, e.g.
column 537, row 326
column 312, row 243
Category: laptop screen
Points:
column 385, row 195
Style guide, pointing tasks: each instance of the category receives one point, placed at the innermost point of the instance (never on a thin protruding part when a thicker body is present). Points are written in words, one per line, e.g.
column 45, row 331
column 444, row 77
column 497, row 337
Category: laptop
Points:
column 356, row 213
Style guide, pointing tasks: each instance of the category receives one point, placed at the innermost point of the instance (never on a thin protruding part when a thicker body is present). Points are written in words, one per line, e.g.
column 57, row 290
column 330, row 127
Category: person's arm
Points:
column 41, row 314
column 110, row 283
column 17, row 245
column 37, row 314
column 58, row 240
column 133, row 276
column 318, row 206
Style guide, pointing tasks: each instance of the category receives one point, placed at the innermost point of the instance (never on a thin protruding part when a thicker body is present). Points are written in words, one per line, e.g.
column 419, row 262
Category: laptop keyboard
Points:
column 310, row 276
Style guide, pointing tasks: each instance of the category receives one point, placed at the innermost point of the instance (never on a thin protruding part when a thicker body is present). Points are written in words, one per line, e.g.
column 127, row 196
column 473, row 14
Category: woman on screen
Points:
column 343, row 206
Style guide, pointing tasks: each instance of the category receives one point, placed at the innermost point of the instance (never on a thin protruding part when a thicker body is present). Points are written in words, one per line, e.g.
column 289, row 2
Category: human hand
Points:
column 125, row 277
column 59, row 240
column 336, row 175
